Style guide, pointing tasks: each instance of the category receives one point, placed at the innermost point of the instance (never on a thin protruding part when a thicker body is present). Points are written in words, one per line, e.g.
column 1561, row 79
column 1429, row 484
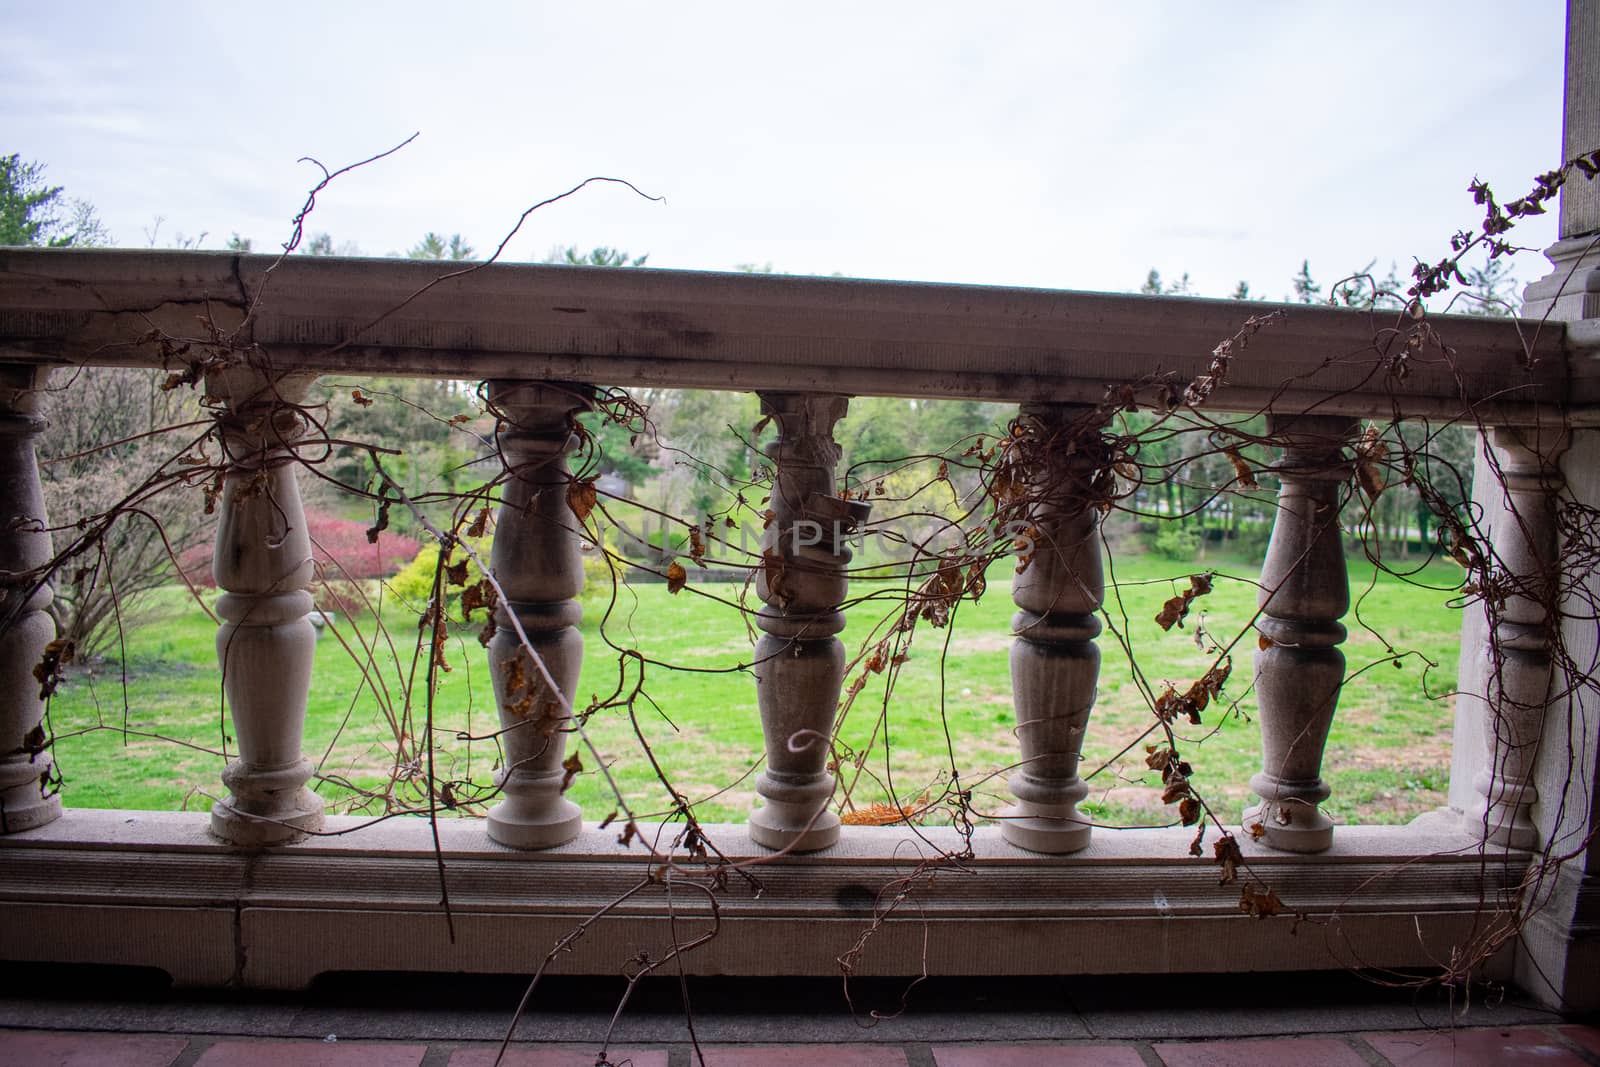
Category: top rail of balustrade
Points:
column 691, row 329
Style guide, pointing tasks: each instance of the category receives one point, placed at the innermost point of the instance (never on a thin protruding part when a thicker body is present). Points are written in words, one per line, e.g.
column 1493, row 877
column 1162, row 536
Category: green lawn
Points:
column 1388, row 758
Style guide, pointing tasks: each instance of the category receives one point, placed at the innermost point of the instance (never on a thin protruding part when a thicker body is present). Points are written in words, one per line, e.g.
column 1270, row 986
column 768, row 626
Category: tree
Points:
column 436, row 246
column 33, row 213
column 1491, row 290
column 595, row 257
column 95, row 452
column 1306, row 291
column 1153, row 286
column 429, row 420
column 322, row 245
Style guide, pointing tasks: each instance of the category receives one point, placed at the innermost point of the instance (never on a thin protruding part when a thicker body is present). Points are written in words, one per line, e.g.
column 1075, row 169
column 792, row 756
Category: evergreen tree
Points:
column 33, row 213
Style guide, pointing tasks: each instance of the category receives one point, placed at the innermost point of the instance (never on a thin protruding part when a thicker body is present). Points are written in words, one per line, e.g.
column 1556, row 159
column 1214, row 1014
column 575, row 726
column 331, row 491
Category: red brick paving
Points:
column 1493, row 1047
column 804, row 1056
column 1546, row 1046
column 1587, row 1037
column 575, row 1056
column 254, row 1053
column 30, row 1048
column 1271, row 1052
column 1037, row 1056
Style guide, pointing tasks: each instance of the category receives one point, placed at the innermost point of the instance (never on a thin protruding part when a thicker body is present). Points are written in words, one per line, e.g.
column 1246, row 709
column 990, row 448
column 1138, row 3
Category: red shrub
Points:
column 339, row 547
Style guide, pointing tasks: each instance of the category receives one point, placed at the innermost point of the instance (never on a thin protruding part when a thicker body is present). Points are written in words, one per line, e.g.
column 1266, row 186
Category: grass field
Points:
column 154, row 741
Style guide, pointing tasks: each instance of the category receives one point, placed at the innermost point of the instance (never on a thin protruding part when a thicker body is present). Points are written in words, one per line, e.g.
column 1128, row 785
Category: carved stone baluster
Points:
column 1305, row 591
column 536, row 559
column 1519, row 663
column 25, row 628
column 799, row 663
column 1055, row 663
column 263, row 564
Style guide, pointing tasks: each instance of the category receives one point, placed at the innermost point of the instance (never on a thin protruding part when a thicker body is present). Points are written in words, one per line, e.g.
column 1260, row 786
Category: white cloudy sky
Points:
column 1044, row 144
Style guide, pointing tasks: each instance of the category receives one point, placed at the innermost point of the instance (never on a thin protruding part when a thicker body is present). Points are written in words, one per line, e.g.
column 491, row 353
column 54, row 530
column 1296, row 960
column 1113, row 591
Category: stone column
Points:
column 1558, row 957
column 265, row 646
column 537, row 561
column 799, row 663
column 25, row 628
column 1518, row 668
column 1305, row 591
column 1055, row 663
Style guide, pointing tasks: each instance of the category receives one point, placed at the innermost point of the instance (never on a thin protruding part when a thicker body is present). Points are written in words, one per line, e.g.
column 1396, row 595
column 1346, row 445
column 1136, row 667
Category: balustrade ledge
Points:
column 691, row 329
column 155, row 889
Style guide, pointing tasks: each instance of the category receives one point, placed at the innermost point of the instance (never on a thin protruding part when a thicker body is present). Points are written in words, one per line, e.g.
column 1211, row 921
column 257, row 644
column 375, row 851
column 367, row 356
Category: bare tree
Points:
column 102, row 445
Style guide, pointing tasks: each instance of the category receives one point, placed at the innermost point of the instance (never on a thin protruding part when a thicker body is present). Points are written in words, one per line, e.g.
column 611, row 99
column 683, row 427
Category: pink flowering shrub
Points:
column 338, row 546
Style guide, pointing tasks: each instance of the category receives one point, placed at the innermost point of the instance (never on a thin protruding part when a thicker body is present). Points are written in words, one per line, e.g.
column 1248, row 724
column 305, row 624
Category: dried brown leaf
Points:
column 1172, row 611
column 572, row 766
column 382, row 522
column 480, row 594
column 516, row 674
column 582, row 497
column 1189, row 811
column 677, row 577
column 1177, row 789
column 1225, row 852
column 1370, row 453
column 1241, row 470
column 47, row 672
column 1259, row 903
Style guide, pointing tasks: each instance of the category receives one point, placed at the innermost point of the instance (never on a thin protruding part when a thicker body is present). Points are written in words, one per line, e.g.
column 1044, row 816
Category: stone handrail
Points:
column 703, row 330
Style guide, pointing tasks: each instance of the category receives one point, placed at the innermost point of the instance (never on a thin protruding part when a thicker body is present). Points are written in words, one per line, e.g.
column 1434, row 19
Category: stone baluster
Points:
column 25, row 627
column 538, row 563
column 266, row 643
column 799, row 663
column 1519, row 665
column 1305, row 591
column 1055, row 663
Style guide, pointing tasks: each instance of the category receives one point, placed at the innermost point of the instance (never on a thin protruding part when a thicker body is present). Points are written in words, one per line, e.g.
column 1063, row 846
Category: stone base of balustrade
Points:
column 157, row 890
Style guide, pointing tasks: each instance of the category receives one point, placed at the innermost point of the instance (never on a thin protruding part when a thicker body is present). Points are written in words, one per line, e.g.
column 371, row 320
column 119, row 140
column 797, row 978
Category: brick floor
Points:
column 25, row 1048
column 1123, row 1055
column 1548, row 1046
column 1476, row 1048
column 804, row 1056
column 1270, row 1052
column 1585, row 1037
column 262, row 1053
column 574, row 1056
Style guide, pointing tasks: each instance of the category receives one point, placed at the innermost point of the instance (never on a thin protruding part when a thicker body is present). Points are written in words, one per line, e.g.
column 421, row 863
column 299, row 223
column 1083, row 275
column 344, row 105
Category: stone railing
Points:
column 204, row 901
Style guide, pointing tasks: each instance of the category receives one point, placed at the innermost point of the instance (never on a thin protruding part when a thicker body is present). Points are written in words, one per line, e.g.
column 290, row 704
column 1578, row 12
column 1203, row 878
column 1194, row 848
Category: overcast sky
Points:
column 1059, row 145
